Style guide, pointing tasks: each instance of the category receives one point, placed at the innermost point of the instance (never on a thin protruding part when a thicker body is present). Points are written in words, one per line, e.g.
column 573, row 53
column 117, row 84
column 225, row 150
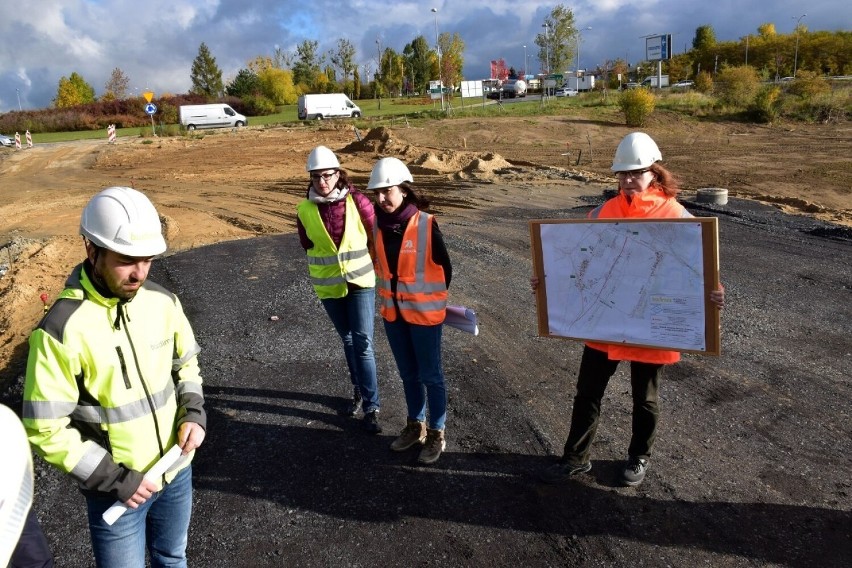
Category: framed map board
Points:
column 640, row 282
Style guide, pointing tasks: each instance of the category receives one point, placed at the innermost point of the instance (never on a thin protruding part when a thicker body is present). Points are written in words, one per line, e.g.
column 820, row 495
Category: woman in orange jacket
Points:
column 413, row 273
column 647, row 190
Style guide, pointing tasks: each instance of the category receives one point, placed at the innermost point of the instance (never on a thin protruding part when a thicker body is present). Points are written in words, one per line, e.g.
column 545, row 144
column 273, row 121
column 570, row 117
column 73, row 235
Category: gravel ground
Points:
column 750, row 468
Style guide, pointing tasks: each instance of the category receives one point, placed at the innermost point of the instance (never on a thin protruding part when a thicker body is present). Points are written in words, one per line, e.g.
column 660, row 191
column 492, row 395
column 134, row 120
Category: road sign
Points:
column 148, row 95
column 151, row 108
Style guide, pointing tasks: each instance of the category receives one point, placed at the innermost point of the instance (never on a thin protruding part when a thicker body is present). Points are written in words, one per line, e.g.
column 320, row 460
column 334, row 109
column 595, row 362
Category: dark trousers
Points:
column 32, row 550
column 595, row 371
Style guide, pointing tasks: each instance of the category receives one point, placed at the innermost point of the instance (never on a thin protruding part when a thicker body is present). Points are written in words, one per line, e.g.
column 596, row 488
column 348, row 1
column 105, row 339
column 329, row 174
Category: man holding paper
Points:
column 113, row 384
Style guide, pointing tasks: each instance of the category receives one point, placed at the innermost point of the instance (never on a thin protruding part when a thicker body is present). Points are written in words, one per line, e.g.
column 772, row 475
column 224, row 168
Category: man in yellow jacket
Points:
column 113, row 383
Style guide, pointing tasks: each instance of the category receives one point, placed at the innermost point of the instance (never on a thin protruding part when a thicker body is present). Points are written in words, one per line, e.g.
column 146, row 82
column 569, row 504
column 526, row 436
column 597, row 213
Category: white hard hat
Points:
column 123, row 220
column 321, row 158
column 636, row 151
column 388, row 172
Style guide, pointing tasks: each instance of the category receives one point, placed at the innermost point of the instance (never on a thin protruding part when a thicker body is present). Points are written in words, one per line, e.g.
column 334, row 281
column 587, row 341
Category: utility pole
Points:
column 796, row 57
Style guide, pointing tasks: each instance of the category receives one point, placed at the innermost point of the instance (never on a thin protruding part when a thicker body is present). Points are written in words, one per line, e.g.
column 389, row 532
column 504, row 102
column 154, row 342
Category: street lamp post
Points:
column 379, row 71
column 525, row 63
column 438, row 49
column 579, row 39
column 796, row 56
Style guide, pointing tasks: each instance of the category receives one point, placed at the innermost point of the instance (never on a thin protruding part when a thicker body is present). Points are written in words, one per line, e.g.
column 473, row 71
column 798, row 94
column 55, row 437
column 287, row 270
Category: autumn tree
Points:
column 452, row 58
column 344, row 59
column 206, row 76
column 391, row 71
column 73, row 91
column 557, row 45
column 356, row 83
column 705, row 38
column 117, row 87
column 417, row 56
column 307, row 65
column 766, row 30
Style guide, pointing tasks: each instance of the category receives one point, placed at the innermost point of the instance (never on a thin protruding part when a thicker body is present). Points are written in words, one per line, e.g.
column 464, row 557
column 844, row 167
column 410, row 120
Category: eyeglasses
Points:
column 326, row 176
column 635, row 174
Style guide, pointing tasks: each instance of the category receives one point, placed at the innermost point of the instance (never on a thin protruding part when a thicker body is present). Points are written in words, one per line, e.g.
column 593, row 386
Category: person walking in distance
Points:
column 414, row 274
column 335, row 225
column 113, row 384
column 647, row 190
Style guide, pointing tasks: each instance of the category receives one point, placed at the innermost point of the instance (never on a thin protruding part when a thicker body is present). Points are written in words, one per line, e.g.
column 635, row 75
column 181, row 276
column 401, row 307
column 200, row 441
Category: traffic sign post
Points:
column 151, row 109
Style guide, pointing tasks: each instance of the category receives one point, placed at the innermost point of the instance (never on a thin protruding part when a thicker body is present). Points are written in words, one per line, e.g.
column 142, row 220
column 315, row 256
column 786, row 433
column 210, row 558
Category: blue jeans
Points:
column 160, row 525
column 353, row 317
column 417, row 351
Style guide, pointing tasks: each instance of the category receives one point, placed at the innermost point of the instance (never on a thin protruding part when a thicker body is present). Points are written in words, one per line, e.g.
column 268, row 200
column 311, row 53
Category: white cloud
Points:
column 154, row 42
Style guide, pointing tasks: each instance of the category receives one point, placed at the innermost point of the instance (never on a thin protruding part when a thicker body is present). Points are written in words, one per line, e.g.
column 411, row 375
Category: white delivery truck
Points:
column 584, row 83
column 217, row 115
column 651, row 81
column 329, row 105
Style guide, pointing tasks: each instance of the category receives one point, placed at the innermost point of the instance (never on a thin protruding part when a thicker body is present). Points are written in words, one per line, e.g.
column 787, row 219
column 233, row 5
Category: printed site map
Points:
column 637, row 283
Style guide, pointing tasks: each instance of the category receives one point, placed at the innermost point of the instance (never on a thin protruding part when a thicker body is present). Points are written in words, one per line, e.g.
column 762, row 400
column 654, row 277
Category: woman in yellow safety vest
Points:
column 335, row 225
column 414, row 273
column 647, row 190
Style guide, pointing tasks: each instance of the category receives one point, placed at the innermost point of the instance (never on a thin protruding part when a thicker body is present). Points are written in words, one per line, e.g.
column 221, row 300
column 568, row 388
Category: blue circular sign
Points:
column 151, row 108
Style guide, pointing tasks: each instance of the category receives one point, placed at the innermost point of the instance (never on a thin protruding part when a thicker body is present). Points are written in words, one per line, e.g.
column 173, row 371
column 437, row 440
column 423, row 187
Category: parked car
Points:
column 684, row 84
column 565, row 92
column 630, row 86
column 6, row 141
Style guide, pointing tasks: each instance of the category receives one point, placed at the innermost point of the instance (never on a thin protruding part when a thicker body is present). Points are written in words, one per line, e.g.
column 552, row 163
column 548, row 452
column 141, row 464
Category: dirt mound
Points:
column 378, row 140
column 461, row 165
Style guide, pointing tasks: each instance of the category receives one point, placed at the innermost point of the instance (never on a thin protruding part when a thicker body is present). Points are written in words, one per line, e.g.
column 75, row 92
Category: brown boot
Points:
column 435, row 444
column 414, row 433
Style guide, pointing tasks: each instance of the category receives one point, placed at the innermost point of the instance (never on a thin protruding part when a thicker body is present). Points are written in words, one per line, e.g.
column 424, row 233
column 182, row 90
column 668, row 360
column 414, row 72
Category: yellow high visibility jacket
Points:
column 330, row 267
column 650, row 204
column 421, row 290
column 108, row 384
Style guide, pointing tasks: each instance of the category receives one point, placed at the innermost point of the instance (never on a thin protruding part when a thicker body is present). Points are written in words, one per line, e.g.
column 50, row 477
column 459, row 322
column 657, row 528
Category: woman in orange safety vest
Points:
column 647, row 190
column 413, row 273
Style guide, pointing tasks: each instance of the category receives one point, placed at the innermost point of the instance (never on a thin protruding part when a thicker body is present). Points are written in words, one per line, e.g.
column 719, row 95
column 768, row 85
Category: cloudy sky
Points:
column 155, row 41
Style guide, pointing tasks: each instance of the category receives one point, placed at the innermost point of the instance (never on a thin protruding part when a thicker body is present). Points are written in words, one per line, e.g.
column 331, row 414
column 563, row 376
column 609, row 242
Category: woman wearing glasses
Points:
column 335, row 224
column 647, row 190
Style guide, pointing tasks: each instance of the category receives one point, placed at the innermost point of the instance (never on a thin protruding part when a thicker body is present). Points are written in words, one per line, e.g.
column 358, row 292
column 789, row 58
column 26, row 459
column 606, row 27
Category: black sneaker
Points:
column 634, row 471
column 371, row 422
column 562, row 472
column 352, row 407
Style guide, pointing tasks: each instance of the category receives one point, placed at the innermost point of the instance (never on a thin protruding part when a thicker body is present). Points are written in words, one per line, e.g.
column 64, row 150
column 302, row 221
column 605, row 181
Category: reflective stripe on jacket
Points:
column 108, row 384
column 331, row 267
column 421, row 290
column 651, row 203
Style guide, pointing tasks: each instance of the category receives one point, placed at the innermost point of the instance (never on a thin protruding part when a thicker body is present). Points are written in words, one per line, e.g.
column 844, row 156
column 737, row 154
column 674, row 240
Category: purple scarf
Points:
column 397, row 220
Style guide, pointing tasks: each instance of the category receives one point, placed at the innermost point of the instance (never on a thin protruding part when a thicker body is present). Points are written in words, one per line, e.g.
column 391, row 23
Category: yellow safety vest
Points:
column 108, row 384
column 330, row 267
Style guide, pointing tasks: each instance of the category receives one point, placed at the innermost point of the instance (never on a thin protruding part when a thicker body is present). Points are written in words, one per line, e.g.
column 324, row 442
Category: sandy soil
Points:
column 751, row 467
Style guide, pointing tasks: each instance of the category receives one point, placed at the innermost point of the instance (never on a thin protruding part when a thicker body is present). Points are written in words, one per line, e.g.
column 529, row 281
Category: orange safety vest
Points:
column 650, row 204
column 421, row 291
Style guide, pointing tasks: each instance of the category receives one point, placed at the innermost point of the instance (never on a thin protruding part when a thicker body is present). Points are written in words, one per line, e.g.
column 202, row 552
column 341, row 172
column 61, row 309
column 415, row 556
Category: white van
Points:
column 217, row 115
column 329, row 105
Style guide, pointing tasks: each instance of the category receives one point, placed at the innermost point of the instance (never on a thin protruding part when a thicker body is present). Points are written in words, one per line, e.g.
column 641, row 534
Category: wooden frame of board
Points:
column 710, row 256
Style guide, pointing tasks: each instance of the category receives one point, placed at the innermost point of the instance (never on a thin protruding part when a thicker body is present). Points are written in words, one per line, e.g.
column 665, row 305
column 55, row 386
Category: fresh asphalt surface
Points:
column 283, row 480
